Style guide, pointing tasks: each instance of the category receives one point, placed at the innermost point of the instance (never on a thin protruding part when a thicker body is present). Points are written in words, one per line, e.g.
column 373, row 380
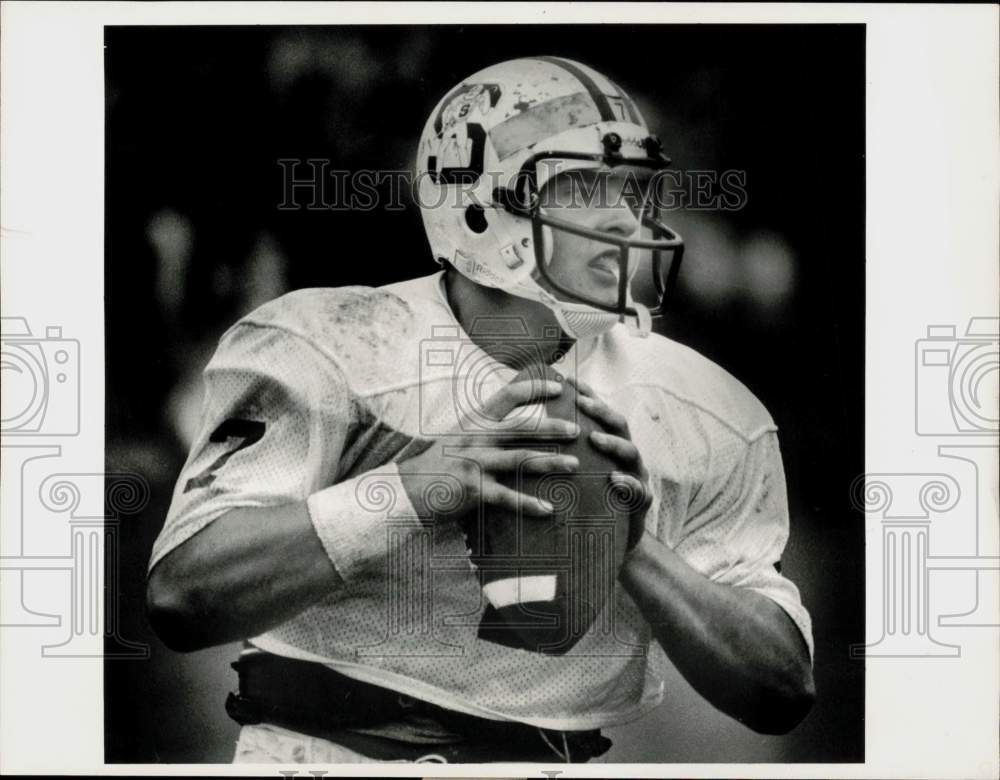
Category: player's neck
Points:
column 495, row 320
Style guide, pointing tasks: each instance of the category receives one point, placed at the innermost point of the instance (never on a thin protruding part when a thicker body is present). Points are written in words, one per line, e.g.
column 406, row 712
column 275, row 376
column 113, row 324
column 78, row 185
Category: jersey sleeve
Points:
column 277, row 415
column 274, row 419
column 738, row 527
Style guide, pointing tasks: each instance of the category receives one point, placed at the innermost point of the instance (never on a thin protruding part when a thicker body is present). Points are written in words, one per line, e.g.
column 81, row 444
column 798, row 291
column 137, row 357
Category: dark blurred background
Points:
column 197, row 119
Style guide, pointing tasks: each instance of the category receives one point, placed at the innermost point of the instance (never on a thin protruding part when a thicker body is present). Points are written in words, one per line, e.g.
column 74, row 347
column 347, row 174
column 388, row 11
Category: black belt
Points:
column 313, row 699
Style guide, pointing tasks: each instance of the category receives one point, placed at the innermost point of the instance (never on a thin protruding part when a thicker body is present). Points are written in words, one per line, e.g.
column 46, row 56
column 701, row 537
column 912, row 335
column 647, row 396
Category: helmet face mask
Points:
column 486, row 155
column 654, row 251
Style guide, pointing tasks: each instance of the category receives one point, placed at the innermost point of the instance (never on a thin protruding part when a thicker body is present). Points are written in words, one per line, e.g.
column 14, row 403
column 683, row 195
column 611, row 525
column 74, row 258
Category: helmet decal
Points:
column 633, row 112
column 542, row 121
column 459, row 155
column 458, row 104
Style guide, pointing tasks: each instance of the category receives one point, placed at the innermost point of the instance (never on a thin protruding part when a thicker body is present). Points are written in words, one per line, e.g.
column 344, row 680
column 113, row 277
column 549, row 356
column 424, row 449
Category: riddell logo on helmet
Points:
column 467, row 265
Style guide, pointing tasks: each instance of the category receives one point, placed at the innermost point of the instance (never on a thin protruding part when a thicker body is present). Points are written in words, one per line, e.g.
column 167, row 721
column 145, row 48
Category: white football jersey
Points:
column 316, row 395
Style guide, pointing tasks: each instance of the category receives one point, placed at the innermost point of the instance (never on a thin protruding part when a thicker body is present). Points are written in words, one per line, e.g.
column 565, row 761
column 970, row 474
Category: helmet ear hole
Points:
column 475, row 218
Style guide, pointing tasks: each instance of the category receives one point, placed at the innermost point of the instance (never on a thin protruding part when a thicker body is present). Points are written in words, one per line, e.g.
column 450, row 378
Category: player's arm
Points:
column 255, row 567
column 249, row 570
column 736, row 646
column 239, row 552
column 252, row 539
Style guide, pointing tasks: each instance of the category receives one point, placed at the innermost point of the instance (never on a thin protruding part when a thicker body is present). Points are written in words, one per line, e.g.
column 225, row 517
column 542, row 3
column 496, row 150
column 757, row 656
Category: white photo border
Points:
column 933, row 178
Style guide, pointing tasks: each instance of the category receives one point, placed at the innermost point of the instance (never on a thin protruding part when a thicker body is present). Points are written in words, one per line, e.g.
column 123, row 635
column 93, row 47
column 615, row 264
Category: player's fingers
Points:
column 633, row 490
column 519, row 393
column 582, row 388
column 545, row 428
column 497, row 495
column 613, row 421
column 622, row 450
column 533, row 461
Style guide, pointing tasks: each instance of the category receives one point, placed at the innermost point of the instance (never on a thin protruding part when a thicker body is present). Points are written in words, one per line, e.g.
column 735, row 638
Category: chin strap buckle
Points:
column 642, row 324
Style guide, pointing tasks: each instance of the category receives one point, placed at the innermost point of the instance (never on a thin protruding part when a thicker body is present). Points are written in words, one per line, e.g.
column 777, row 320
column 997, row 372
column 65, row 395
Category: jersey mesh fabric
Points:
column 346, row 379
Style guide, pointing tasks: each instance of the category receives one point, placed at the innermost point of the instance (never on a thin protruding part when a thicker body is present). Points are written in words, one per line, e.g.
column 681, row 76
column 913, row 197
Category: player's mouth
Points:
column 605, row 266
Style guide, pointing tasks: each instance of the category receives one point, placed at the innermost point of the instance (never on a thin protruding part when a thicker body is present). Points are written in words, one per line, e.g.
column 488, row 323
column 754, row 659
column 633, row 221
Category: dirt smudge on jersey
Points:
column 372, row 318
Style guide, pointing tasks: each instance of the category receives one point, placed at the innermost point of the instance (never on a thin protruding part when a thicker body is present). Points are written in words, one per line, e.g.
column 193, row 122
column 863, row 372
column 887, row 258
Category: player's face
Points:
column 597, row 200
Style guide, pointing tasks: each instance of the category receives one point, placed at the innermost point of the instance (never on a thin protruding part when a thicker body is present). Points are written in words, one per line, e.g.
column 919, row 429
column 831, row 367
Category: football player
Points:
column 345, row 429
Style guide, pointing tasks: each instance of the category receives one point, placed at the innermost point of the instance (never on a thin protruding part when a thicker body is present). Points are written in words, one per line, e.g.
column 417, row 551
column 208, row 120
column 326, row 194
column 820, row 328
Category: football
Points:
column 546, row 580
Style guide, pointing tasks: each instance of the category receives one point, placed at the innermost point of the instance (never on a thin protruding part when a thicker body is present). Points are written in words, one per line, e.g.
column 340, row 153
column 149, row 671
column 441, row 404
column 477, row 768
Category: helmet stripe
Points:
column 603, row 106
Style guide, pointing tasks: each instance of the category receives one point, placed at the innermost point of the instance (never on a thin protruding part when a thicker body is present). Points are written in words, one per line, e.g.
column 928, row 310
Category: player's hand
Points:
column 616, row 442
column 456, row 473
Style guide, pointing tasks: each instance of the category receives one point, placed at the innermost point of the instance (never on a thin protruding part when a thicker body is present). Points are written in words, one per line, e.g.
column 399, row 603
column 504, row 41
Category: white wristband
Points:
column 357, row 519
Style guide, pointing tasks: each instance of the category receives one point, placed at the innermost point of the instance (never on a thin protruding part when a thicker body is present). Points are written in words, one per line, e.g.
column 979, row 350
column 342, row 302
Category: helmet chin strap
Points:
column 578, row 320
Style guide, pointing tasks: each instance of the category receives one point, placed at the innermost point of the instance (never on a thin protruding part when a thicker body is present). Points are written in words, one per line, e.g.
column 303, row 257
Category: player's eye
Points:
column 570, row 189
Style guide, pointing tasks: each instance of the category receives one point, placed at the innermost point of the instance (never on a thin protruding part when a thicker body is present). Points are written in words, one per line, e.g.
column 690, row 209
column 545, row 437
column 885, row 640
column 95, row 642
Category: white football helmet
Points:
column 485, row 154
